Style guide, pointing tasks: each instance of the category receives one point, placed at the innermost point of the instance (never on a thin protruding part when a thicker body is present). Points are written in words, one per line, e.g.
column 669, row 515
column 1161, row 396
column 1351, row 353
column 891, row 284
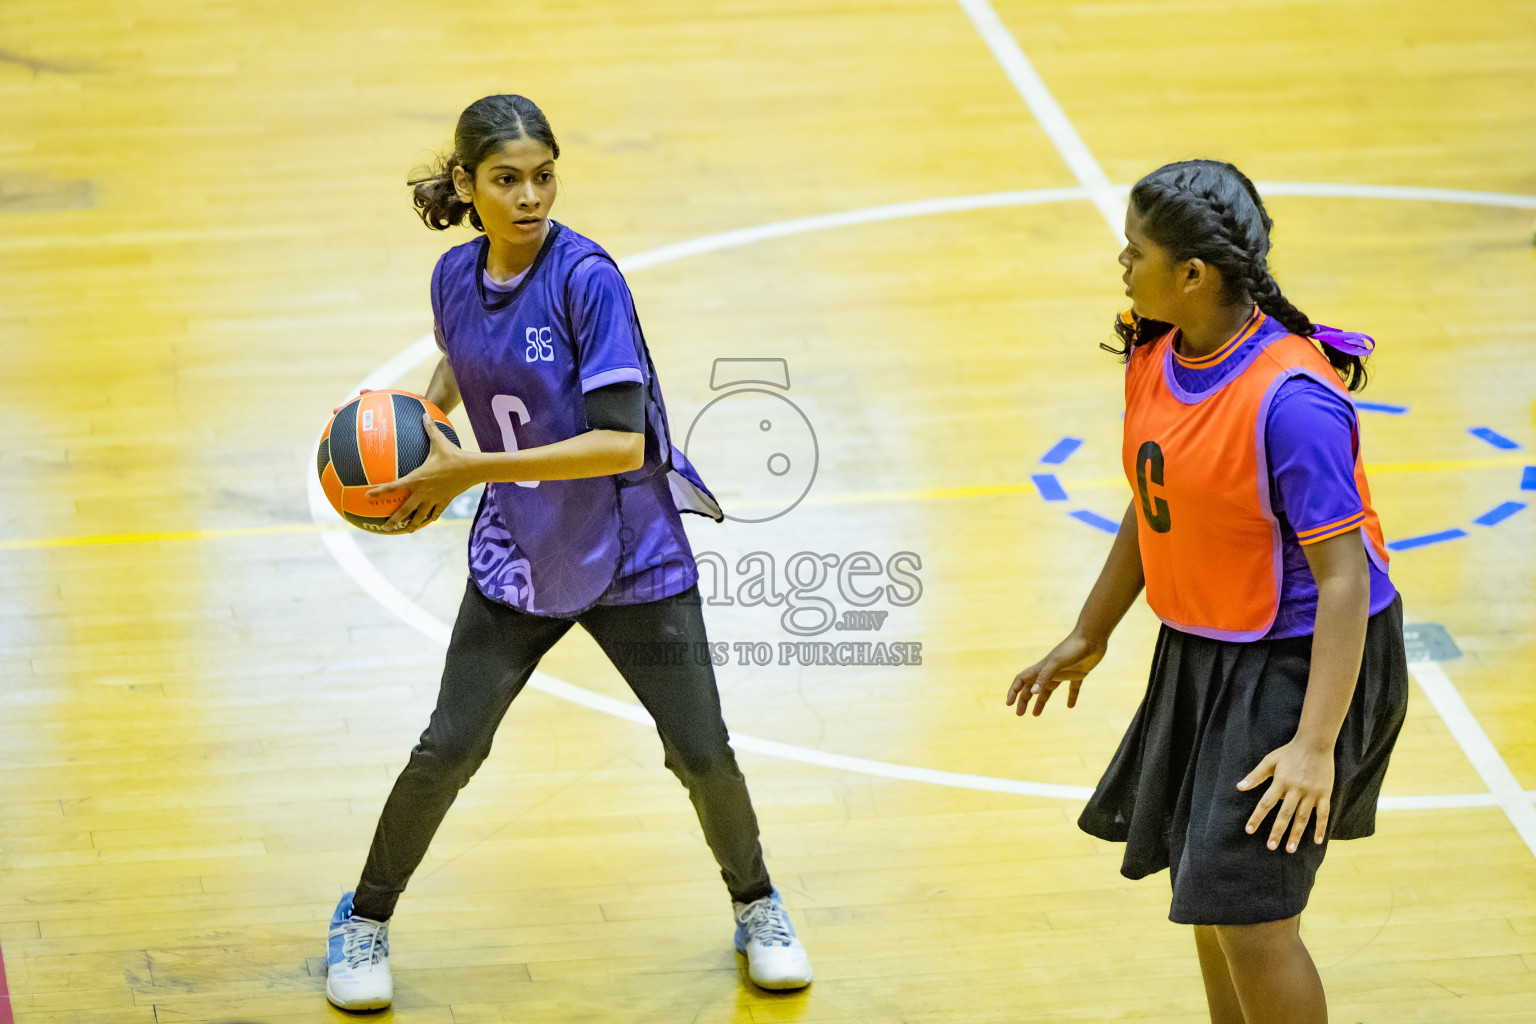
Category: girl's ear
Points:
column 1196, row 273
column 463, row 184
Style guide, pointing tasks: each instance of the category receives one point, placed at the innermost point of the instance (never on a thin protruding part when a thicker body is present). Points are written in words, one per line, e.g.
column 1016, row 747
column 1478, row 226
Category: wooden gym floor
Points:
column 205, row 244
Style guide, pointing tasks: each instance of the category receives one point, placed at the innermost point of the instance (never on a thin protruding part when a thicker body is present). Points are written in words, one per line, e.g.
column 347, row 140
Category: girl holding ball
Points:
column 579, row 523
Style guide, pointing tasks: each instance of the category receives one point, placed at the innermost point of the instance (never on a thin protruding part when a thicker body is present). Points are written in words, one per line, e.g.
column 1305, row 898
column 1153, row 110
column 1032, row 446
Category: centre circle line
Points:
column 341, row 541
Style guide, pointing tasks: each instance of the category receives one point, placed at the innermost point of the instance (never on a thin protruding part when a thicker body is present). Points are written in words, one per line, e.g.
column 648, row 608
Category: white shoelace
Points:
column 766, row 922
column 364, row 942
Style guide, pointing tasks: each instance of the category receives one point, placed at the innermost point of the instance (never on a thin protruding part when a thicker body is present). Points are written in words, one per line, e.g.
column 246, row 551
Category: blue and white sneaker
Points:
column 357, row 961
column 775, row 957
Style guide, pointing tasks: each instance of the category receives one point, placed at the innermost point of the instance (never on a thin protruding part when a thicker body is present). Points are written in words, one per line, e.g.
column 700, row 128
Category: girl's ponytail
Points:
column 1267, row 294
column 1350, row 367
column 436, row 201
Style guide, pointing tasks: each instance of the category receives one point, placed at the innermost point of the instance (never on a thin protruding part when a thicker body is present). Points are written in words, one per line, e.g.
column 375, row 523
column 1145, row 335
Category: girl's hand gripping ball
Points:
column 370, row 455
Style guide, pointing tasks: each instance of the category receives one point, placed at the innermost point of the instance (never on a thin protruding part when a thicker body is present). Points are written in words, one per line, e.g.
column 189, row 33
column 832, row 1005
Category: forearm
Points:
column 1119, row 583
column 443, row 392
column 594, row 453
column 1338, row 641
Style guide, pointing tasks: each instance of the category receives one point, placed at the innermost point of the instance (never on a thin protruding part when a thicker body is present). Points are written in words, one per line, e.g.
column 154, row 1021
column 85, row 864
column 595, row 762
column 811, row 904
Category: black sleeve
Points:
column 618, row 406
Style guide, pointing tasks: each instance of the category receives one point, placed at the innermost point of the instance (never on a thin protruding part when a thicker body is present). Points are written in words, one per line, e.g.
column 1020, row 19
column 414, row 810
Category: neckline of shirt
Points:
column 509, row 285
column 504, row 298
column 1232, row 344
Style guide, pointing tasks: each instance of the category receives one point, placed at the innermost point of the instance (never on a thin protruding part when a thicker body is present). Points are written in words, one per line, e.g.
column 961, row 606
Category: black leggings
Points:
column 494, row 650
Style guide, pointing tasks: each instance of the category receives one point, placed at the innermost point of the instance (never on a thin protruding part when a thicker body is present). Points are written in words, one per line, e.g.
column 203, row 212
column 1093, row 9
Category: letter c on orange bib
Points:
column 1149, row 466
column 376, row 438
column 1210, row 542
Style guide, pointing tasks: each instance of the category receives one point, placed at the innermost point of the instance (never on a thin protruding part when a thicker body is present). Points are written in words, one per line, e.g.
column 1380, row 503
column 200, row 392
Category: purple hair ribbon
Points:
column 1349, row 342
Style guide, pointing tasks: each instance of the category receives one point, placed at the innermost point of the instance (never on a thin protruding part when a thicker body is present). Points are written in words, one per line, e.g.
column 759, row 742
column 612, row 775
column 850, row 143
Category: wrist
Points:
column 471, row 471
column 1314, row 742
column 1093, row 637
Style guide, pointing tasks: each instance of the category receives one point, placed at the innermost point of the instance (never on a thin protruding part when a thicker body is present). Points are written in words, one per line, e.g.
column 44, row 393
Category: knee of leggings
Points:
column 453, row 763
column 701, row 762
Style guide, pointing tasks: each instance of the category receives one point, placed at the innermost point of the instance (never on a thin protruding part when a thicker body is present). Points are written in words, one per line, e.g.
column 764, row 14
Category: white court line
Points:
column 342, row 544
column 1324, row 189
column 1474, row 742
column 866, row 215
column 1437, row 686
column 343, row 547
column 1412, row 193
column 1053, row 120
column 341, row 541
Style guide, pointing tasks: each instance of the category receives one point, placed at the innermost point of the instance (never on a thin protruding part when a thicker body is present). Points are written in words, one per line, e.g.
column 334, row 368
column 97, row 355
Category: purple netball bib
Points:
column 523, row 361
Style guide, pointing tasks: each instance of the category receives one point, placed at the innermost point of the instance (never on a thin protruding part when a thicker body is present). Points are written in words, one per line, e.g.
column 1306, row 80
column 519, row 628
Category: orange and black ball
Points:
column 374, row 439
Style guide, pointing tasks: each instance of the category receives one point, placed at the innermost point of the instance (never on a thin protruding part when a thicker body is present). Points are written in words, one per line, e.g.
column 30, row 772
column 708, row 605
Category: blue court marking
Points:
column 1528, row 479
column 1425, row 538
column 1049, row 487
column 1061, row 451
column 1390, row 410
column 1493, row 437
column 1495, row 516
column 1097, row 521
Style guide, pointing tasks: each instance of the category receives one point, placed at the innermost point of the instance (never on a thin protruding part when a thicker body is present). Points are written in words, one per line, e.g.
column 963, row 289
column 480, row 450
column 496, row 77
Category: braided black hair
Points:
column 1208, row 210
column 483, row 127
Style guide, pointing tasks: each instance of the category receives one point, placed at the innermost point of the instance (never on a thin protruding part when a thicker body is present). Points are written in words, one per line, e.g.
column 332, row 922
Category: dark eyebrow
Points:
column 509, row 167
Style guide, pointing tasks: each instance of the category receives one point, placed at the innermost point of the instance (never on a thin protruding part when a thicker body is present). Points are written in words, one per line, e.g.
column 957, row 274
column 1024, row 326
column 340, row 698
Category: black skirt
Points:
column 1213, row 709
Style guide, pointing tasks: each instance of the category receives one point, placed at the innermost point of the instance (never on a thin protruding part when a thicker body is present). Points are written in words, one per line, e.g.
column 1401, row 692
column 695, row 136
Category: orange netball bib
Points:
column 1196, row 463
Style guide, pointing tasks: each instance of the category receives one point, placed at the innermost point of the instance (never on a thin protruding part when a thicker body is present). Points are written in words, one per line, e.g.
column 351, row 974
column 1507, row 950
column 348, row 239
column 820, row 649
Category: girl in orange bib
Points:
column 1279, row 682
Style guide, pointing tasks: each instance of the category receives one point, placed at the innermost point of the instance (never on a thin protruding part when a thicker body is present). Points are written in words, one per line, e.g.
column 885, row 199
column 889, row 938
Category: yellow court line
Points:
column 927, row 494
column 1436, row 466
column 151, row 538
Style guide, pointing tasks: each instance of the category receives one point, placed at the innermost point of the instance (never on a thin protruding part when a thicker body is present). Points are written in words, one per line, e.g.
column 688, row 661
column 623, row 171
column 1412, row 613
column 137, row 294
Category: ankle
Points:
column 370, row 914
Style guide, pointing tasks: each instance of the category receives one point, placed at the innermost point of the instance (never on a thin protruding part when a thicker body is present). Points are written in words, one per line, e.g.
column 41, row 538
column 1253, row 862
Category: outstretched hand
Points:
column 1069, row 662
column 1302, row 781
column 446, row 474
